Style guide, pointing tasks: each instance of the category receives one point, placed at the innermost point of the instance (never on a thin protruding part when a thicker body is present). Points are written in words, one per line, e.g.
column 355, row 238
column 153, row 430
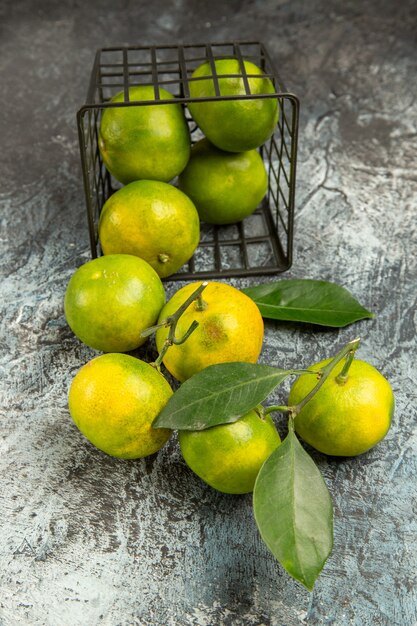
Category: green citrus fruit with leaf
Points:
column 228, row 457
column 348, row 415
column 148, row 141
column 152, row 220
column 225, row 187
column 114, row 399
column 110, row 300
column 230, row 328
column 233, row 125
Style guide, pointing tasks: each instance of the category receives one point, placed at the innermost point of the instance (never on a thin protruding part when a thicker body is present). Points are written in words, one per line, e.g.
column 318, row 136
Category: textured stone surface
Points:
column 89, row 540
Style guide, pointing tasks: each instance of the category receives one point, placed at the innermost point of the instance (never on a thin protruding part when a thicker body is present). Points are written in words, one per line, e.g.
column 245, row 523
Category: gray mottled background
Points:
column 88, row 540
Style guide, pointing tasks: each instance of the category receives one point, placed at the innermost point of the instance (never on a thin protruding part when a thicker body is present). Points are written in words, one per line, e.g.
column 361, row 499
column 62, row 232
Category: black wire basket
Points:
column 261, row 243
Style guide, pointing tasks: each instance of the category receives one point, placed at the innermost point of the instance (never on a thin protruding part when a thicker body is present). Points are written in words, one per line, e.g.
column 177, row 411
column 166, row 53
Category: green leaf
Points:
column 219, row 394
column 293, row 511
column 305, row 300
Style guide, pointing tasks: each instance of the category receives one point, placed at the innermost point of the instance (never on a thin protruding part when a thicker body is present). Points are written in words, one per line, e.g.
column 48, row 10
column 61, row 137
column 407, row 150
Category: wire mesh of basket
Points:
column 261, row 243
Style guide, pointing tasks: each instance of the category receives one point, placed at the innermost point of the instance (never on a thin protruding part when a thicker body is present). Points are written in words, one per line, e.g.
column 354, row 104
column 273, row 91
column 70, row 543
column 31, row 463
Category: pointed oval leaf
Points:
column 306, row 300
column 219, row 394
column 293, row 511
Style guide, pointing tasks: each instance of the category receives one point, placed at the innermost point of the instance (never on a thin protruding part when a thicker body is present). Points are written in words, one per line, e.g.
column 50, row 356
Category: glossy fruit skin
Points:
column 230, row 329
column 344, row 419
column 150, row 141
column 152, row 220
column 114, row 399
column 228, row 457
column 234, row 125
column 110, row 300
column 225, row 187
